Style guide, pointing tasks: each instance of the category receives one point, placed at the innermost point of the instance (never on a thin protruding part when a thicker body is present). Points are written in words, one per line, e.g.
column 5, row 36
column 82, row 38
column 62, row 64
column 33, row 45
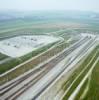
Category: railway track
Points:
column 47, row 67
column 79, row 54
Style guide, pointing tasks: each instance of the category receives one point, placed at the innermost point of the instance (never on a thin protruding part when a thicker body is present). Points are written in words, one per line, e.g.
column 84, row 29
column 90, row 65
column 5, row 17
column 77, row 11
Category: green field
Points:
column 2, row 56
column 87, row 66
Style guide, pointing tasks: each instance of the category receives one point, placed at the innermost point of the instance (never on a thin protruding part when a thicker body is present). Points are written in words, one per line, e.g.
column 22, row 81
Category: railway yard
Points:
column 49, row 56
column 59, row 73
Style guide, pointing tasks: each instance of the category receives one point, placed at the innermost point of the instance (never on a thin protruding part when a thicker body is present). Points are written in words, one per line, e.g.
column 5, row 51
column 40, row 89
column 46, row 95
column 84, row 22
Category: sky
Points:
column 29, row 5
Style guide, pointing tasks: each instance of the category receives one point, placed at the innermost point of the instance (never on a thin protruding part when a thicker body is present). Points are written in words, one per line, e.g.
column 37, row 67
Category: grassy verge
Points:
column 2, row 56
column 77, row 72
column 93, row 92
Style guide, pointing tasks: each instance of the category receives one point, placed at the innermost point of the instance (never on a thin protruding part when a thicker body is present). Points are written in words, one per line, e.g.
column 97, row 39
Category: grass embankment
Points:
column 93, row 91
column 77, row 72
column 2, row 56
